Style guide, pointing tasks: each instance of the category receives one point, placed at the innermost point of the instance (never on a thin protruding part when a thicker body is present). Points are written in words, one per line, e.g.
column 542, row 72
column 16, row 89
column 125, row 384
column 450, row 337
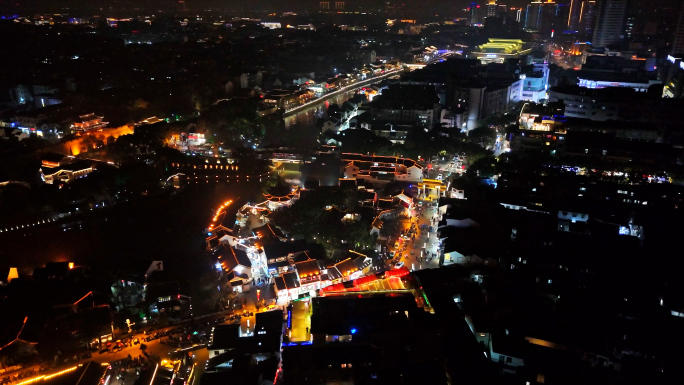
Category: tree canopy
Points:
column 317, row 217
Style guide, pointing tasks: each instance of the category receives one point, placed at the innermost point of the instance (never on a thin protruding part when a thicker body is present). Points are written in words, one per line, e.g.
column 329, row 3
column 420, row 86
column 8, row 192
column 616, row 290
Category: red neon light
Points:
column 400, row 272
column 331, row 288
column 364, row 280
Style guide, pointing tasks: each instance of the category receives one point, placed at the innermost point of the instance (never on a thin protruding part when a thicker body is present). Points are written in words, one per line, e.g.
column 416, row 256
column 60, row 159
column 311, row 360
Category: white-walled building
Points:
column 381, row 168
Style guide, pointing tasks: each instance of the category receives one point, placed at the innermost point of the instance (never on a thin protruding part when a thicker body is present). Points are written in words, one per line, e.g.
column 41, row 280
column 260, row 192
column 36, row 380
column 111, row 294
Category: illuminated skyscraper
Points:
column 474, row 14
column 587, row 16
column 574, row 16
column 581, row 16
column 491, row 9
column 539, row 16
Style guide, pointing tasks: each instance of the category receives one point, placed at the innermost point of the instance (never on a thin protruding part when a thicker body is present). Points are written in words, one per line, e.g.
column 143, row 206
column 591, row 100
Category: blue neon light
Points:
column 353, row 331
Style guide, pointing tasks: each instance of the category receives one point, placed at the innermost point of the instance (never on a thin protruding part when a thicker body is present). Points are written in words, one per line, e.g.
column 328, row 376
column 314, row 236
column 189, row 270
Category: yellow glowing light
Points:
column 44, row 377
column 154, row 374
column 31, row 380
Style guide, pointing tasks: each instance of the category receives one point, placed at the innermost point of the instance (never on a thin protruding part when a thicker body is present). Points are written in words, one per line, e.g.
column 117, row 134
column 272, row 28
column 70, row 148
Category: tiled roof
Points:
column 346, row 267
column 230, row 258
column 282, row 249
column 280, row 283
column 333, row 273
column 308, row 268
column 275, row 265
column 225, row 336
column 269, row 232
column 291, row 280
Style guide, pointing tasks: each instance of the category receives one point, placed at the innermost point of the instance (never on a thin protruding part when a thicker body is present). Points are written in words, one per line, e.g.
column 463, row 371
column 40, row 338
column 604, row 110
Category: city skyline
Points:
column 355, row 192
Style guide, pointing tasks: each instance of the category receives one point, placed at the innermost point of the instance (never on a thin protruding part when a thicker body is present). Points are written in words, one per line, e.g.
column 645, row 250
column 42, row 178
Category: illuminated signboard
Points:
column 289, row 317
column 671, row 58
column 540, row 127
column 681, row 65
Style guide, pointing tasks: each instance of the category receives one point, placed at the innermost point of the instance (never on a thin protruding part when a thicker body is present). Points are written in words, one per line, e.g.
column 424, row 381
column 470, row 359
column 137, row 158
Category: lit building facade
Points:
column 585, row 103
column 498, row 50
column 66, row 173
column 491, row 9
column 674, row 81
column 539, row 134
column 381, row 168
column 535, row 82
column 485, row 98
column 89, row 122
column 598, row 81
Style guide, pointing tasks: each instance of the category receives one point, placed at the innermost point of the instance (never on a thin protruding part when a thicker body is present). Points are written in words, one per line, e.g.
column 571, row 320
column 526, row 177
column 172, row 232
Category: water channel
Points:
column 308, row 116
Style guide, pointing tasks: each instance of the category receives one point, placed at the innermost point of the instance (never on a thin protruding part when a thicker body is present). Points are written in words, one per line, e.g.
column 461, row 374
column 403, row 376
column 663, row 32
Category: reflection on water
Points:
column 169, row 227
column 308, row 116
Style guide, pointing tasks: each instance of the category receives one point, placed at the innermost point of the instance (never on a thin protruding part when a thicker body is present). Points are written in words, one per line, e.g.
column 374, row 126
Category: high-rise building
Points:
column 519, row 15
column 474, row 14
column 677, row 49
column 575, row 12
column 502, row 9
column 539, row 16
column 560, row 16
column 490, row 9
column 533, row 15
column 609, row 27
column 581, row 16
column 587, row 16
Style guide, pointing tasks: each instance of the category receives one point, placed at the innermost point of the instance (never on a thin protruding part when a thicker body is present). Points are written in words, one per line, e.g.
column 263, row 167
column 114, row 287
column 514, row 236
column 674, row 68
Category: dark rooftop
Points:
column 268, row 232
column 283, row 249
column 225, row 336
column 308, row 268
column 376, row 314
column 269, row 321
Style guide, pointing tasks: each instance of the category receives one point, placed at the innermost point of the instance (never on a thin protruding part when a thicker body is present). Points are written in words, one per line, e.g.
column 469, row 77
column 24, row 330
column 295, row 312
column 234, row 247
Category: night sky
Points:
column 444, row 7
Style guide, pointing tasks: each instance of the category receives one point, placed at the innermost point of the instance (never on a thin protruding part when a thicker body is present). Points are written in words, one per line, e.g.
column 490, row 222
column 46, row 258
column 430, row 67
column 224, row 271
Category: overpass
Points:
column 348, row 88
column 438, row 57
column 443, row 56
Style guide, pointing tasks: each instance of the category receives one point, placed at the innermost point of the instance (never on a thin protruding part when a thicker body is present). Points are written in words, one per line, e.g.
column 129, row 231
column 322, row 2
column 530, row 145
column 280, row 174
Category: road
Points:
column 348, row 88
column 422, row 249
column 443, row 57
column 559, row 60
